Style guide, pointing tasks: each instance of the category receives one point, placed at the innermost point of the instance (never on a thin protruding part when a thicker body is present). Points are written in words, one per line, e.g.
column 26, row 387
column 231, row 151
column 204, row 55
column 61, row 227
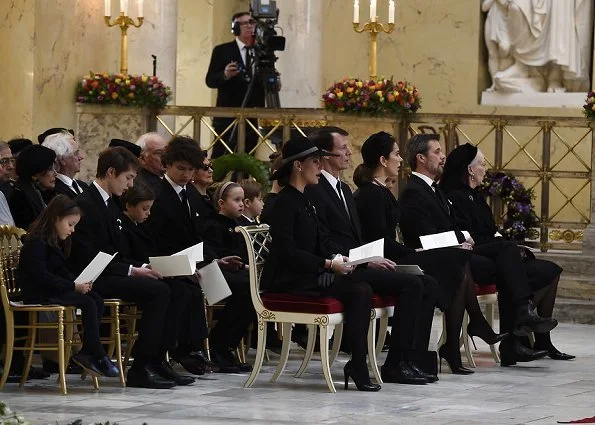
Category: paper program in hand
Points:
column 439, row 240
column 95, row 267
column 373, row 251
column 181, row 263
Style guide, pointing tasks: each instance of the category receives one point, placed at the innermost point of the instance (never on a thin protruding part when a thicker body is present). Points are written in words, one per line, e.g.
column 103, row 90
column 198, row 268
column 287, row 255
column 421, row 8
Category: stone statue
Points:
column 539, row 45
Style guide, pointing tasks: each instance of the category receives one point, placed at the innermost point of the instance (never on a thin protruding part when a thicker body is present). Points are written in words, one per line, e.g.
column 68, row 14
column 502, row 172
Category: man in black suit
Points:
column 68, row 159
column 230, row 72
column 152, row 146
column 341, row 231
column 175, row 224
column 426, row 210
column 100, row 230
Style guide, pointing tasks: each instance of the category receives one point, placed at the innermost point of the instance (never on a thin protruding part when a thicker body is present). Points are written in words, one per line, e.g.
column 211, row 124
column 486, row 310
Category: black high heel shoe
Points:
column 487, row 335
column 454, row 362
column 362, row 383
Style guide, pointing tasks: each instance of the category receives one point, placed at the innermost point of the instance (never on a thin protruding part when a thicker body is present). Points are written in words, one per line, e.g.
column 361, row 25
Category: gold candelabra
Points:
column 124, row 21
column 374, row 28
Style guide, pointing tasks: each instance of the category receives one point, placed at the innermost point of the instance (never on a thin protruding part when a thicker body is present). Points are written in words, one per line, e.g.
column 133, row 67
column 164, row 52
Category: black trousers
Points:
column 153, row 298
column 414, row 310
column 220, row 124
column 193, row 325
column 237, row 315
column 91, row 305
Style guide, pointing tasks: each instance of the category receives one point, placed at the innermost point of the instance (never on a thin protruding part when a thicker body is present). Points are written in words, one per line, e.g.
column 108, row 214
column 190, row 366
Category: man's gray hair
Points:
column 419, row 144
column 61, row 143
column 142, row 140
column 4, row 145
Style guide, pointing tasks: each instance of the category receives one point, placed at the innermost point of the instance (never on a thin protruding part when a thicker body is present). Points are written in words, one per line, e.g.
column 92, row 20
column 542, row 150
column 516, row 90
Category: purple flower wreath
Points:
column 520, row 219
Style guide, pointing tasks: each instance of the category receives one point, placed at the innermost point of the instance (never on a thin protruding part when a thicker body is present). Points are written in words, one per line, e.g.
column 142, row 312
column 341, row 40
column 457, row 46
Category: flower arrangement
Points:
column 520, row 218
column 126, row 90
column 381, row 97
column 589, row 106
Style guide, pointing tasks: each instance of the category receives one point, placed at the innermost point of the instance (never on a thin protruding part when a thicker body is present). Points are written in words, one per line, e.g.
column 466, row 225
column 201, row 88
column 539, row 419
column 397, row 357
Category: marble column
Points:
column 300, row 64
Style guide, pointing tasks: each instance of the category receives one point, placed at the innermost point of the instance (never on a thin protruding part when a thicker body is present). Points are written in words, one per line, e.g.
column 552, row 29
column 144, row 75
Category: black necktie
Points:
column 248, row 60
column 184, row 199
column 76, row 187
column 440, row 197
column 342, row 198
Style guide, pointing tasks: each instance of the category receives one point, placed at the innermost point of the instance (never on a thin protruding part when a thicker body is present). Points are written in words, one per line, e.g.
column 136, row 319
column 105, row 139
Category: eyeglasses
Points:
column 6, row 161
column 205, row 167
column 246, row 23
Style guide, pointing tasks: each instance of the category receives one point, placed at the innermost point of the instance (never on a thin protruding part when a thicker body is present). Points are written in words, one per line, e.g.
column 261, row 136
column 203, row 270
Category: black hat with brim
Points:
column 33, row 160
column 41, row 138
column 135, row 149
column 297, row 149
column 17, row 145
column 455, row 168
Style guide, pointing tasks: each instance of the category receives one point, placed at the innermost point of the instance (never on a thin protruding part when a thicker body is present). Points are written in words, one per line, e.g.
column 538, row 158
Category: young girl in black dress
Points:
column 44, row 279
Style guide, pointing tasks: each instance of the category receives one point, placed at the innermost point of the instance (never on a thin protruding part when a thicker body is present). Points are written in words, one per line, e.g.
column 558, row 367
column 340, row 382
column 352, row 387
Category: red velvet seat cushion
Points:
column 382, row 301
column 485, row 289
column 301, row 304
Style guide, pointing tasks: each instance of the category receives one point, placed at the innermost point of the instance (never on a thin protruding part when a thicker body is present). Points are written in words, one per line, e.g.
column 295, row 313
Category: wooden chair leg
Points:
column 29, row 346
column 490, row 319
column 336, row 347
column 326, row 370
column 117, row 344
column 61, row 359
column 372, row 351
column 284, row 351
column 9, row 320
column 382, row 329
column 465, row 340
column 260, row 350
column 309, row 350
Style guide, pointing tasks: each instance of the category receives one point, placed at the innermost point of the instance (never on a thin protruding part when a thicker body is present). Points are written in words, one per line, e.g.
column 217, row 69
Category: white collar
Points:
column 425, row 178
column 65, row 179
column 176, row 186
column 104, row 195
column 331, row 179
column 241, row 44
column 251, row 220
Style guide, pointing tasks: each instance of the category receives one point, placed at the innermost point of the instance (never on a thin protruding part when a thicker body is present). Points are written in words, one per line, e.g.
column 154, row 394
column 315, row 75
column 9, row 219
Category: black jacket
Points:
column 221, row 236
column 424, row 212
column 340, row 231
column 150, row 179
column 297, row 255
column 231, row 92
column 267, row 211
column 379, row 217
column 62, row 189
column 172, row 227
column 100, row 229
column 139, row 244
column 26, row 203
column 41, row 272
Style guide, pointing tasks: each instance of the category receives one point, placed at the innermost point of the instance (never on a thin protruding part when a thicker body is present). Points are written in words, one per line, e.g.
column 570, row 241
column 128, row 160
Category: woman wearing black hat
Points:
column 297, row 261
column 464, row 172
column 379, row 217
column 37, row 179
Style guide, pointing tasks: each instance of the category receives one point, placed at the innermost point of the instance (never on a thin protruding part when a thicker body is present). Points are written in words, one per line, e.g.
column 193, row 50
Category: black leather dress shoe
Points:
column 50, row 366
column 401, row 373
column 87, row 362
column 196, row 363
column 228, row 363
column 427, row 376
column 527, row 321
column 553, row 353
column 513, row 352
column 107, row 367
column 164, row 369
column 147, row 377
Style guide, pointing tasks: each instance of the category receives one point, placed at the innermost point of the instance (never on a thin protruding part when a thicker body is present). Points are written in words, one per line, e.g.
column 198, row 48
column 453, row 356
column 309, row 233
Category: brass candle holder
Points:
column 374, row 28
column 124, row 21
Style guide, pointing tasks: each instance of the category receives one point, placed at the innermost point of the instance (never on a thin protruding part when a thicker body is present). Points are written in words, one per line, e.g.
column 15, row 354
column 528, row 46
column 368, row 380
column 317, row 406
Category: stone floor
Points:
column 541, row 392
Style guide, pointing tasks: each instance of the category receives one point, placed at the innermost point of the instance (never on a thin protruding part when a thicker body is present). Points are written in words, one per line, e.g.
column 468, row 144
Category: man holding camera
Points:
column 230, row 72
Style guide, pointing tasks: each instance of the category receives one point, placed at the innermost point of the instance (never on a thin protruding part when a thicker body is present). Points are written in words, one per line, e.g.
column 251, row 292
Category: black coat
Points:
column 297, row 256
column 340, row 231
column 41, row 273
column 150, row 179
column 267, row 211
column 62, row 189
column 139, row 244
column 26, row 203
column 221, row 236
column 231, row 92
column 424, row 212
column 99, row 230
column 379, row 217
column 171, row 226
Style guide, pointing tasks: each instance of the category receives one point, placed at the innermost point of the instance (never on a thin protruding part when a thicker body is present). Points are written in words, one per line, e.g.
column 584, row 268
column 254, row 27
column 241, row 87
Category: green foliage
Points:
column 242, row 162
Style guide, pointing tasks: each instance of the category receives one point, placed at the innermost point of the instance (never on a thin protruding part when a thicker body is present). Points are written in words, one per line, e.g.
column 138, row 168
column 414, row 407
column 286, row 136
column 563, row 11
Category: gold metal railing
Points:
column 552, row 156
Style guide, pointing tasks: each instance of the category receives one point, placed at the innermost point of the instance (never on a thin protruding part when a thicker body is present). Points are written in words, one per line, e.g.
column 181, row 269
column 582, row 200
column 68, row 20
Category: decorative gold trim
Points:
column 321, row 320
column 567, row 235
column 268, row 122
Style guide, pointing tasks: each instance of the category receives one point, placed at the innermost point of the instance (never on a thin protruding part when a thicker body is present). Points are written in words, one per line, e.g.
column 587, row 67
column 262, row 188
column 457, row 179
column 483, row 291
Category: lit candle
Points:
column 391, row 12
column 372, row 10
column 356, row 12
column 108, row 8
column 124, row 7
column 139, row 6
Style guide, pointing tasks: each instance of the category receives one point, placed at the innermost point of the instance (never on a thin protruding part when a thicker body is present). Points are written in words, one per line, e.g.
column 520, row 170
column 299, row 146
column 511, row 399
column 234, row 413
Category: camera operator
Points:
column 230, row 72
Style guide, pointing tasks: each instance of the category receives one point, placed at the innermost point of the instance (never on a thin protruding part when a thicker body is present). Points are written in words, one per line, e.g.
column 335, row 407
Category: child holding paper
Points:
column 238, row 313
column 44, row 279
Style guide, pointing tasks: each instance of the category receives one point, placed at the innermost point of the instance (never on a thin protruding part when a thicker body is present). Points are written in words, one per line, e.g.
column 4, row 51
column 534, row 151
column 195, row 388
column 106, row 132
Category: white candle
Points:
column 372, row 10
column 139, row 6
column 108, row 8
column 356, row 12
column 391, row 12
column 124, row 7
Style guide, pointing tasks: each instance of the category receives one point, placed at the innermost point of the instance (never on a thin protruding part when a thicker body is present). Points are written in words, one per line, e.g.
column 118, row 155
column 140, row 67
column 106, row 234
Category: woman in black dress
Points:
column 297, row 261
column 464, row 172
column 379, row 216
